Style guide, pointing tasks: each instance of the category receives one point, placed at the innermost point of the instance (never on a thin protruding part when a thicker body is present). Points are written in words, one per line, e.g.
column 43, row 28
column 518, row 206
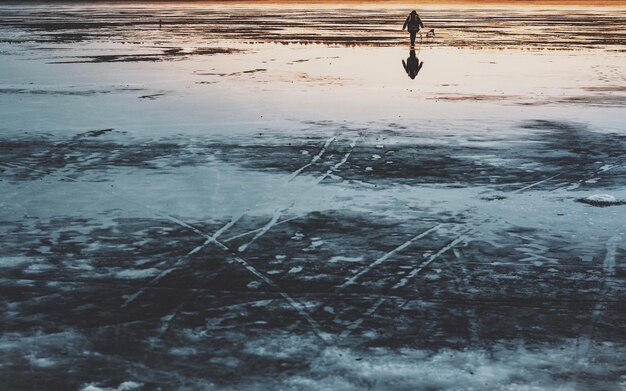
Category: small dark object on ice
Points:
column 96, row 133
column 493, row 197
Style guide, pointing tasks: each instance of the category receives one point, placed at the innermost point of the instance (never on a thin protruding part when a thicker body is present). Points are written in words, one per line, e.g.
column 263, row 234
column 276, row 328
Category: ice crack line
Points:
column 273, row 221
column 14, row 165
column 340, row 163
column 430, row 260
column 403, row 282
column 259, row 275
column 599, row 171
column 251, row 269
column 313, row 160
column 181, row 261
column 352, row 280
column 473, row 325
column 536, row 183
column 292, row 302
column 241, row 235
column 584, row 343
column 208, row 240
column 279, row 212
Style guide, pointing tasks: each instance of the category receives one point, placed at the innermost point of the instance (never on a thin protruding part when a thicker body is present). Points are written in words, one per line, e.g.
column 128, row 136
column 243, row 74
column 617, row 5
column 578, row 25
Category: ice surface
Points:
column 192, row 207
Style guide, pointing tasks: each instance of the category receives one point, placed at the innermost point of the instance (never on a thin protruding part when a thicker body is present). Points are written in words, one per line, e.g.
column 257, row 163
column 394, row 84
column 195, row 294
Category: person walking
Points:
column 413, row 24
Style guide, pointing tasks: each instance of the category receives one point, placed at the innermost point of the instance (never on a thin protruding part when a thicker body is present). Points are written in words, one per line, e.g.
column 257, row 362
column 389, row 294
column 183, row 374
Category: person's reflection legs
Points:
column 412, row 65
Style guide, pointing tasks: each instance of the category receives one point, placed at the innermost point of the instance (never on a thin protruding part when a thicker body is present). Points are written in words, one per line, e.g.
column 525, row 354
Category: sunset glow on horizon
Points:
column 588, row 3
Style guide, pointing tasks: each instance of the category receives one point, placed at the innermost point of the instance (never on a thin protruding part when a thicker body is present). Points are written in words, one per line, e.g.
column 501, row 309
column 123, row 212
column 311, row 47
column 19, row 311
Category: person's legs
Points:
column 413, row 34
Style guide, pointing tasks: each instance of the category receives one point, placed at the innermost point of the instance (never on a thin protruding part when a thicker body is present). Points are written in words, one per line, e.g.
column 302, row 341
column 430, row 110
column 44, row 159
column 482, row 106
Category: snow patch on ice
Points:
column 501, row 367
column 296, row 269
column 382, row 369
column 298, row 236
column 281, row 348
column 78, row 264
column 254, row 285
column 340, row 258
column 316, row 242
column 125, row 386
column 41, row 362
column 38, row 268
column 601, row 200
column 13, row 261
column 137, row 273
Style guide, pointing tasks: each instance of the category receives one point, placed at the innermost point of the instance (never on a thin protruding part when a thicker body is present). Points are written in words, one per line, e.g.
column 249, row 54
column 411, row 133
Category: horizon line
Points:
column 599, row 3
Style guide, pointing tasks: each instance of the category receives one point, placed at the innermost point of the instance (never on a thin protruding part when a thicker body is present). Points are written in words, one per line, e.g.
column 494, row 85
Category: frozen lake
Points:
column 211, row 197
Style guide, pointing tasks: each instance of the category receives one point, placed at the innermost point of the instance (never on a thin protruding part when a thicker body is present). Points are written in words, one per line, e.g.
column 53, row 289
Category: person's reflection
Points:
column 412, row 65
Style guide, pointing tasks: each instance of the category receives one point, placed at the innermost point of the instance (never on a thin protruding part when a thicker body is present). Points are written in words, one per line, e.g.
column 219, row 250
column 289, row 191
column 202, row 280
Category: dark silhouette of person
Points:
column 413, row 23
column 412, row 65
